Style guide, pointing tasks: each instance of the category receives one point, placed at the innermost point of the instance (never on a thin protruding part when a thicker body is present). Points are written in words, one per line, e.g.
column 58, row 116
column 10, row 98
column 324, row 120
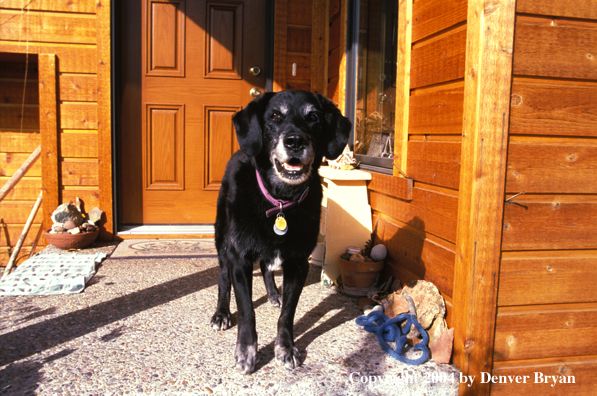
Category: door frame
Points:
column 116, row 33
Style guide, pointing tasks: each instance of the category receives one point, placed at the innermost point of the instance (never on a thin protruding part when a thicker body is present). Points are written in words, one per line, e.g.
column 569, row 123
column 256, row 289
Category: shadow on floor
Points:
column 52, row 332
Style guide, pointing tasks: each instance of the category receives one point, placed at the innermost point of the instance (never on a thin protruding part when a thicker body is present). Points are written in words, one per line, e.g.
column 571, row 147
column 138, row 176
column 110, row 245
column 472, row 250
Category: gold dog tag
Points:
column 280, row 225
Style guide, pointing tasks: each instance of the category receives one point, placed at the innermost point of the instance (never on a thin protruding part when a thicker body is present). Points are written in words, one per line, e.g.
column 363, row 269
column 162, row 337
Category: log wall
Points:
column 547, row 310
column 419, row 228
column 76, row 88
column 19, row 137
column 301, row 42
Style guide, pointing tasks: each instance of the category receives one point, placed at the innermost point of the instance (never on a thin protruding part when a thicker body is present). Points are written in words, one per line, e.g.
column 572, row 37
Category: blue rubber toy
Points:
column 388, row 330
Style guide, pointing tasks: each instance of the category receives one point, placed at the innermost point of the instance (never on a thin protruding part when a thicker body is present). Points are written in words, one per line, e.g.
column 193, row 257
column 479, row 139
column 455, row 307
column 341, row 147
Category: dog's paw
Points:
column 221, row 321
column 246, row 357
column 288, row 356
column 275, row 300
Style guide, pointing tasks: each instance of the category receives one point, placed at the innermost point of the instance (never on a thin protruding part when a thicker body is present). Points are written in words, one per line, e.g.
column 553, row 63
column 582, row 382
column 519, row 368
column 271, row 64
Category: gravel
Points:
column 142, row 327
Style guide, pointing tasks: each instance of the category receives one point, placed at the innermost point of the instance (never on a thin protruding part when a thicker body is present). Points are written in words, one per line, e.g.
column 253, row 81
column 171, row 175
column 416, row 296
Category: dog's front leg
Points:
column 246, row 342
column 270, row 285
column 221, row 319
column 294, row 274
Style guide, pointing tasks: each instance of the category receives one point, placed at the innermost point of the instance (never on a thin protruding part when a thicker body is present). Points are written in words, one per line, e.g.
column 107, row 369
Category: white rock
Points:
column 378, row 252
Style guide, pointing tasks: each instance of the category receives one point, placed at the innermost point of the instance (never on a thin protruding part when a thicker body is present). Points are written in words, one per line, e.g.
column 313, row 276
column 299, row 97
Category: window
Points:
column 375, row 23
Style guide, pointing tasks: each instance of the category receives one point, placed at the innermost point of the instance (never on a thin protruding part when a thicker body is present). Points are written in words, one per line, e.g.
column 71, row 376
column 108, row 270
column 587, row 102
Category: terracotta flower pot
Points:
column 71, row 241
column 359, row 275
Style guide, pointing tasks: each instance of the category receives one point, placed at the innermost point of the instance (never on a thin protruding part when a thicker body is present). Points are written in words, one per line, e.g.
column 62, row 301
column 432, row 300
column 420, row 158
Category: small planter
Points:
column 71, row 241
column 359, row 277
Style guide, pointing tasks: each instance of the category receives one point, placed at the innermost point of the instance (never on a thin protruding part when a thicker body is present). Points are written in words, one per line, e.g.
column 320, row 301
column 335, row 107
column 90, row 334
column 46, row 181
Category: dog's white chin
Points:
column 291, row 173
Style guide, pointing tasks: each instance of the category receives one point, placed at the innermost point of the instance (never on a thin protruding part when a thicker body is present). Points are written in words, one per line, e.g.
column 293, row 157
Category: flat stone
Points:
column 396, row 306
column 428, row 301
column 441, row 351
column 95, row 215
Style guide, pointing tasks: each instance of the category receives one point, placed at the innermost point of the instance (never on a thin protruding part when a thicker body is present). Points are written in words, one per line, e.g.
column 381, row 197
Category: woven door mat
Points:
column 152, row 248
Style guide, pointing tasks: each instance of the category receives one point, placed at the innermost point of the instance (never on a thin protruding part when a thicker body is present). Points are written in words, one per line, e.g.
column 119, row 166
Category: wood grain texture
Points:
column 48, row 109
column 541, row 107
column 17, row 212
column 320, row 47
column 79, row 144
column 299, row 40
column 301, row 12
column 563, row 8
column 17, row 142
column 73, row 58
column 437, row 112
column 545, row 331
column 487, row 82
column 398, row 187
column 73, row 6
column 436, row 212
column 90, row 196
column 79, row 115
column 280, row 44
column 435, row 163
column 548, row 277
column 78, row 87
column 26, row 189
column 432, row 16
column 555, row 48
column 439, row 60
column 104, row 117
column 79, row 172
column 48, row 27
column 543, row 222
column 582, row 368
column 410, row 250
column 403, row 83
column 11, row 162
column 552, row 167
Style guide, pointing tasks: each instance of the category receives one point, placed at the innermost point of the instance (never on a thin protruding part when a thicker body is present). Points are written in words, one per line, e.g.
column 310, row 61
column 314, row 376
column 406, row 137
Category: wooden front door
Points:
column 194, row 74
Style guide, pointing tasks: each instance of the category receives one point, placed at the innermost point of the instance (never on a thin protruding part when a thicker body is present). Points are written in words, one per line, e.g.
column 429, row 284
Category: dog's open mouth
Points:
column 292, row 169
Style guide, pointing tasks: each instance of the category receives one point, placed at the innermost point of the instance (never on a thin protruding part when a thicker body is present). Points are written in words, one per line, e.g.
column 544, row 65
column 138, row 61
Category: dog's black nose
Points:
column 295, row 141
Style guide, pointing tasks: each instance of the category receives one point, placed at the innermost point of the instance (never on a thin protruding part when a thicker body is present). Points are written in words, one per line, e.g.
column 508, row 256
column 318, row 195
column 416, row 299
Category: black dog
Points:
column 268, row 210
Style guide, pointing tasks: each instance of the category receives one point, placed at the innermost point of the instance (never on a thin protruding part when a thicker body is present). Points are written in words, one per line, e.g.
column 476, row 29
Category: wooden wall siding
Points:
column 551, row 107
column 545, row 331
column 78, row 34
column 301, row 39
column 336, row 51
column 429, row 103
column 432, row 16
column 547, row 277
column 552, row 166
column 582, row 9
column 567, row 47
column 438, row 59
column 19, row 137
column 584, row 370
column 549, row 235
column 412, row 254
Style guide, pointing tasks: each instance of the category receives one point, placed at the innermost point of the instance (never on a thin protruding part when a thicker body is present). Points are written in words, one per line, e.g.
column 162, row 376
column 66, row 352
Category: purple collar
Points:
column 279, row 204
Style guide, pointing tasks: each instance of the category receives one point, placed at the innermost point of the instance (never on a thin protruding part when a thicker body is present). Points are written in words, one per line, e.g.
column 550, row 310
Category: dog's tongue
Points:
column 290, row 167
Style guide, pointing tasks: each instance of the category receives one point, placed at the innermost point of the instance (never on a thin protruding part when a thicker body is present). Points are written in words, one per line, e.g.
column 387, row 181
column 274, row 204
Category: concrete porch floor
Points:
column 142, row 327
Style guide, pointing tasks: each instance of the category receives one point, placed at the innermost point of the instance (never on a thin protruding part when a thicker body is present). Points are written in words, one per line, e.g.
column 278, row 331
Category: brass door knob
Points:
column 255, row 93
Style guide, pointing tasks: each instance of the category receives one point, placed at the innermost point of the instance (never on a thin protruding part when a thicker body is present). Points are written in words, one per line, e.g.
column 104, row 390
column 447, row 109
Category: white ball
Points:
column 378, row 252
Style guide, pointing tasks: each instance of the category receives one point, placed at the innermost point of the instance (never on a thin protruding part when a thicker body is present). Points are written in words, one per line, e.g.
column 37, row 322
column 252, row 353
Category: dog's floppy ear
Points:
column 338, row 129
column 248, row 124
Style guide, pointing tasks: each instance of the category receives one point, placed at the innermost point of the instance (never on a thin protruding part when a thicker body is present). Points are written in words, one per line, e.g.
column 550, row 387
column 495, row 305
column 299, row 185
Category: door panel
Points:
column 165, row 38
column 194, row 75
column 221, row 144
column 165, row 147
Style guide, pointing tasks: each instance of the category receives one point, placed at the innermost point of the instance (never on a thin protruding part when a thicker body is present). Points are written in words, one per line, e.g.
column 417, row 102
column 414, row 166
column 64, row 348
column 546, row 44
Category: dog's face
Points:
column 292, row 131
